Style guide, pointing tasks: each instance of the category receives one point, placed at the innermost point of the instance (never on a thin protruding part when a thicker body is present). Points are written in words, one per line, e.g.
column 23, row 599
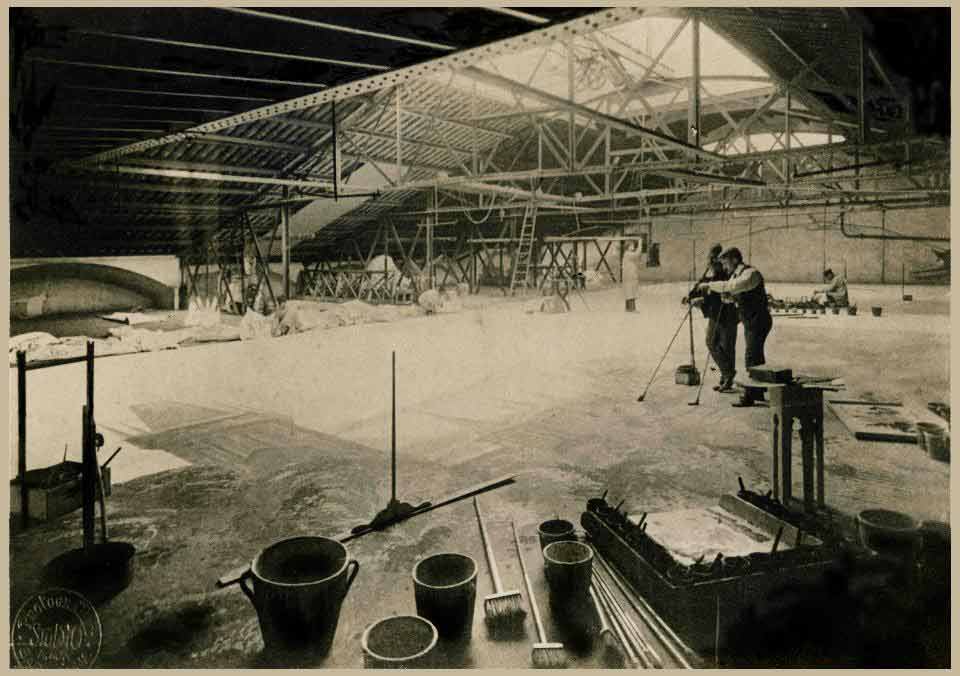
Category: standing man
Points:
column 721, row 322
column 631, row 276
column 745, row 286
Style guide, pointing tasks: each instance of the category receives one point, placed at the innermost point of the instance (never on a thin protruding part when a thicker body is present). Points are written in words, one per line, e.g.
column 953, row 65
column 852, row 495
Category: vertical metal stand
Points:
column 393, row 426
column 22, row 440
column 89, row 473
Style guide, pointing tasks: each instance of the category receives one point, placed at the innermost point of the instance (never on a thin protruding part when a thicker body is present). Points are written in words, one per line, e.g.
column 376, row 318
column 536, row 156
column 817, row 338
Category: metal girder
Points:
column 160, row 92
column 198, row 166
column 211, row 176
column 174, row 73
column 559, row 102
column 152, row 187
column 338, row 28
column 231, row 50
column 359, row 131
column 601, row 19
column 166, row 206
column 700, row 177
column 523, row 16
column 240, row 140
column 437, row 119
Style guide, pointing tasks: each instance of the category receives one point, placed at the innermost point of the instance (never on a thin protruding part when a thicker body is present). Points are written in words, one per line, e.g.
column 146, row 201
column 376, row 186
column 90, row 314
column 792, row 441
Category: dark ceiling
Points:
column 89, row 78
column 85, row 80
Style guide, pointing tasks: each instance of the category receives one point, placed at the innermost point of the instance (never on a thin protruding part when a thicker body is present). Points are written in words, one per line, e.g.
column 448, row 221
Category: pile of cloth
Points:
column 445, row 300
column 46, row 347
column 203, row 312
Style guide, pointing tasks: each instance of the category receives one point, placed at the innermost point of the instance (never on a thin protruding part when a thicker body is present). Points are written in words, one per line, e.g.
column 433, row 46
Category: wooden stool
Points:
column 803, row 403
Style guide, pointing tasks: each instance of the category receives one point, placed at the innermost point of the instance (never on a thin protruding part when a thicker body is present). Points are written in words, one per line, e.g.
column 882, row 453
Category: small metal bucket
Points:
column 401, row 642
column 445, row 591
column 555, row 530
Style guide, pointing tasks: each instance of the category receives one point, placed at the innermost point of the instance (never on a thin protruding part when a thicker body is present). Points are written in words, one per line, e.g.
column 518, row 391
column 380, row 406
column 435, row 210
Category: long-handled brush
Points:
column 501, row 607
column 612, row 651
column 696, row 402
column 545, row 655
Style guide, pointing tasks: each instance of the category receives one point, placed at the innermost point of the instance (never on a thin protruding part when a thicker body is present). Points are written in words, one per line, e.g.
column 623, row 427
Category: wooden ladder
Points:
column 524, row 253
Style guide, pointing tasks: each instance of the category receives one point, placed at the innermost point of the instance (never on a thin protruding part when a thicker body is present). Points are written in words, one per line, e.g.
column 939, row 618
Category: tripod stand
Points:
column 688, row 316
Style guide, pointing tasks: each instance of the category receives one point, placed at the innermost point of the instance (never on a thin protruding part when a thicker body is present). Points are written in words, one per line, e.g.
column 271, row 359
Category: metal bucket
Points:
column 554, row 530
column 445, row 591
column 99, row 573
column 298, row 586
column 569, row 568
column 401, row 642
column 890, row 534
column 935, row 440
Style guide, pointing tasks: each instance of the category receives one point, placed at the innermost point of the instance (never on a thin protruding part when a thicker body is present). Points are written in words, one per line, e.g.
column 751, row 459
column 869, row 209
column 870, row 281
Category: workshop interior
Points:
column 479, row 337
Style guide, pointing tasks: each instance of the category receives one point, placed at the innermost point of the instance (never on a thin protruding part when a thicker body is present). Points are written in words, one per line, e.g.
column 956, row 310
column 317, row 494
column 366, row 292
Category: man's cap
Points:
column 828, row 271
column 732, row 252
column 715, row 250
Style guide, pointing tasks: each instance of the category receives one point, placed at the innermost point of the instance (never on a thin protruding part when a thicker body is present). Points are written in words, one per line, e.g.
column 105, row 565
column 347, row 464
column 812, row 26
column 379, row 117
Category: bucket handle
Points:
column 233, row 577
column 351, row 575
column 247, row 574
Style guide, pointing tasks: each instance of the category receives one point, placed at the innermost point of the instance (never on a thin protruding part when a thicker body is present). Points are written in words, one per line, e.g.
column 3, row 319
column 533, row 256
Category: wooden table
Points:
column 802, row 402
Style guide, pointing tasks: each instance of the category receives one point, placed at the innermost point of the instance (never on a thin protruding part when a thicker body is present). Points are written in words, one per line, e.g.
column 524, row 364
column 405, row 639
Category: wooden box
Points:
column 53, row 491
column 771, row 374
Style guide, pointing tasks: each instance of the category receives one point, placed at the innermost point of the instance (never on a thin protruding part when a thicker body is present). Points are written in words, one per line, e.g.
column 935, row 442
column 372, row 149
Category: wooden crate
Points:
column 53, row 491
column 690, row 609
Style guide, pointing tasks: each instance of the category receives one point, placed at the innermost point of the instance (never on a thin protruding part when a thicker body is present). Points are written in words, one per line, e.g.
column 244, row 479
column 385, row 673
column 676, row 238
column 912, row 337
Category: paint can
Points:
column 569, row 567
column 687, row 374
column 555, row 530
column 445, row 591
column 401, row 642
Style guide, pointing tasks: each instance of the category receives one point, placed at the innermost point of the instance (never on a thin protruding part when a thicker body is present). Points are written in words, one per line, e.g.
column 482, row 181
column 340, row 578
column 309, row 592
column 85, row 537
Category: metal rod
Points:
column 90, row 377
column 393, row 426
column 647, row 656
column 660, row 628
column 175, row 73
column 87, row 479
column 335, row 27
column 633, row 654
column 22, row 438
column 524, row 16
column 285, row 244
column 883, row 247
column 233, row 50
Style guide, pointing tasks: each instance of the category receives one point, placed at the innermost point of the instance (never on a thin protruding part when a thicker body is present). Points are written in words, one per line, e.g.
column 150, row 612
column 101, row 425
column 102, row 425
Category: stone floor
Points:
column 229, row 447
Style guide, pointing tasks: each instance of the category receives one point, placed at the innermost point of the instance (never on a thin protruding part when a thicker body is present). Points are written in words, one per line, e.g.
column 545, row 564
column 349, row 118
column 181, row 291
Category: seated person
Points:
column 835, row 291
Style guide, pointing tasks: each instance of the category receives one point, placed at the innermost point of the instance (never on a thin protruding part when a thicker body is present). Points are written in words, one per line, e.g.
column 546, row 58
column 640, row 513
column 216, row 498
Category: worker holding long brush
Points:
column 745, row 286
column 721, row 321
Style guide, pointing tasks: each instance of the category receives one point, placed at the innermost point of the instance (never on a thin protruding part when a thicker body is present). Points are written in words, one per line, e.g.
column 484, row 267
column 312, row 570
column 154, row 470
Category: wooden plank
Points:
column 865, row 402
column 875, row 422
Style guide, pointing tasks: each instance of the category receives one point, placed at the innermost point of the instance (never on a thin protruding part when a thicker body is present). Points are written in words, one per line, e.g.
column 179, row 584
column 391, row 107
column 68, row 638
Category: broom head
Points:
column 549, row 656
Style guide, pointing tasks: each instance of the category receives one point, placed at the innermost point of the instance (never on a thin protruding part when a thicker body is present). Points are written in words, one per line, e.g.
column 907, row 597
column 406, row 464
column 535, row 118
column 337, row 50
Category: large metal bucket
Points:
column 297, row 586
